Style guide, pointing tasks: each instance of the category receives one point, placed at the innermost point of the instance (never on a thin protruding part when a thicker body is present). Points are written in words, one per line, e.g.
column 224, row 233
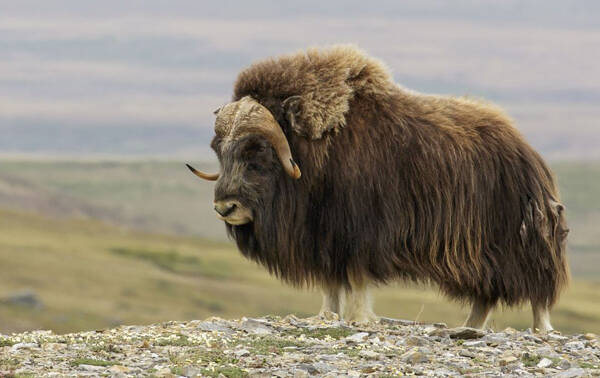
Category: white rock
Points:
column 507, row 360
column 369, row 354
column 18, row 346
column 213, row 327
column 466, row 353
column 357, row 337
column 475, row 344
column 572, row 373
column 557, row 337
column 91, row 367
column 465, row 333
column 496, row 339
column 416, row 341
column 256, row 326
column 299, row 373
column 242, row 353
column 544, row 363
column 327, row 357
column 564, row 364
column 118, row 369
column 414, row 357
column 575, row 345
column 191, row 371
column 323, row 367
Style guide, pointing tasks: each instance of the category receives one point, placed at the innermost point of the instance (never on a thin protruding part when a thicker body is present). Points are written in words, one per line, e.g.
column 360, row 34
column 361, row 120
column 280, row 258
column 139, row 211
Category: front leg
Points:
column 358, row 306
column 541, row 318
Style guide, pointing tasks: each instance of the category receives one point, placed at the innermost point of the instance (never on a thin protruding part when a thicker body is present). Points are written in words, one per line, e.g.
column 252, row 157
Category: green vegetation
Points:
column 229, row 372
column 212, row 356
column 321, row 333
column 5, row 342
column 18, row 375
column 530, row 360
column 175, row 262
column 91, row 361
column 271, row 344
column 106, row 243
column 181, row 340
column 8, row 363
column 204, row 357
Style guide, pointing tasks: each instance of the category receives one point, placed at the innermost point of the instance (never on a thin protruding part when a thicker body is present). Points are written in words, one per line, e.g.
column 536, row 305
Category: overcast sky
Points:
column 142, row 78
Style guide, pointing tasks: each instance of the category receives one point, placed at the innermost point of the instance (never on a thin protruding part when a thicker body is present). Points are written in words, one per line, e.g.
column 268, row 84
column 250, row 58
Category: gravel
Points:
column 292, row 347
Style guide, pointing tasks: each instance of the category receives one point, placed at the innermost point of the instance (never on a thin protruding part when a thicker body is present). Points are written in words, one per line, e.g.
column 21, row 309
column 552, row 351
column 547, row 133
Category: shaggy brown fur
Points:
column 395, row 185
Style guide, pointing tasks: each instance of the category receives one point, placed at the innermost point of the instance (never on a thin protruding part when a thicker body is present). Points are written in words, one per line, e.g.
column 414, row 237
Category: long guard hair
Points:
column 401, row 185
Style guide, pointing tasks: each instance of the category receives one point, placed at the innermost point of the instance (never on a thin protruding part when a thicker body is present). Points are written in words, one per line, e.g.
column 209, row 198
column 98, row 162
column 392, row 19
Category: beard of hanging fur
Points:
column 398, row 185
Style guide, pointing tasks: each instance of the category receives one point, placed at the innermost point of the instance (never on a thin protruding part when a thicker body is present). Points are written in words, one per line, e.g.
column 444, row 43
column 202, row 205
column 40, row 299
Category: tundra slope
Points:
column 333, row 175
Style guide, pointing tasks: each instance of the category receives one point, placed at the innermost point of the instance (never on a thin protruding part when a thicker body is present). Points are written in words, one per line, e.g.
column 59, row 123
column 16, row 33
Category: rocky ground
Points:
column 292, row 347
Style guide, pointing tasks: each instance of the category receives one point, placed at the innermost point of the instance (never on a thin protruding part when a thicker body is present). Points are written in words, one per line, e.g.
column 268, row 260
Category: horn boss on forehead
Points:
column 248, row 116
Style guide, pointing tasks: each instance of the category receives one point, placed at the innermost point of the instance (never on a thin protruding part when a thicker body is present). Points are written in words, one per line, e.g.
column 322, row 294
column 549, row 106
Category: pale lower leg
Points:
column 541, row 318
column 358, row 306
column 331, row 300
column 480, row 312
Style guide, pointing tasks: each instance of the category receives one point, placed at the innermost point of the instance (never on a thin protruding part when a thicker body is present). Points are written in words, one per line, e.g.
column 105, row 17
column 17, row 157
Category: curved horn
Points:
column 276, row 137
column 202, row 175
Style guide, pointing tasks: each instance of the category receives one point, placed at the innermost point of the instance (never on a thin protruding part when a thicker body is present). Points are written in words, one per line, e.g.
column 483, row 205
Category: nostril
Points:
column 225, row 210
column 229, row 211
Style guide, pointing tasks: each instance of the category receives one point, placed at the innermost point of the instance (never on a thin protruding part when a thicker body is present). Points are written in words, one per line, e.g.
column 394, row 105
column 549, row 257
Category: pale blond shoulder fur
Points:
column 323, row 81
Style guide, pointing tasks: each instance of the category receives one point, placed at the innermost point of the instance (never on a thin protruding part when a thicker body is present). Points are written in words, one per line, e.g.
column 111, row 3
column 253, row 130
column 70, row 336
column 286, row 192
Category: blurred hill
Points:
column 150, row 196
column 95, row 244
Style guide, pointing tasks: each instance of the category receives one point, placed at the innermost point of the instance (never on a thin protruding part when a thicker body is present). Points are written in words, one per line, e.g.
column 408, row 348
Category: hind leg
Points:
column 331, row 299
column 541, row 318
column 480, row 312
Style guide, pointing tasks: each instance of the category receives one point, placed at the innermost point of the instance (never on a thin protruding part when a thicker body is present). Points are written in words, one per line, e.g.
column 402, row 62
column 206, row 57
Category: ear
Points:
column 216, row 111
column 291, row 107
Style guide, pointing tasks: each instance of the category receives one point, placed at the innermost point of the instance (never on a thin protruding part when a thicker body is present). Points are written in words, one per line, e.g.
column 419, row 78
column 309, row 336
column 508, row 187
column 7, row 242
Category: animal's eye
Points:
column 260, row 148
column 253, row 167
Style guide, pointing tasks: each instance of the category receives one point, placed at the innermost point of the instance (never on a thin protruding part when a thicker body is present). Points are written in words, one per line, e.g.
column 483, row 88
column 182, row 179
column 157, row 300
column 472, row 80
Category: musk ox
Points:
column 333, row 175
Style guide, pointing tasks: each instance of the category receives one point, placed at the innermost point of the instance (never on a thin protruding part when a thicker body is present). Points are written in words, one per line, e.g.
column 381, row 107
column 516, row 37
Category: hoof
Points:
column 328, row 315
column 362, row 320
column 543, row 330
